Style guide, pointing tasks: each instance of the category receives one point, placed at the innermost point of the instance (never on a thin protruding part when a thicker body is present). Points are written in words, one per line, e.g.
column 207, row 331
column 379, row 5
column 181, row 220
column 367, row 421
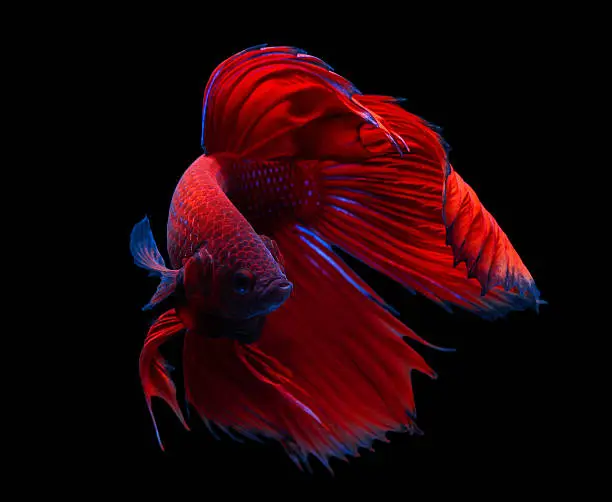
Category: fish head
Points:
column 252, row 285
column 231, row 297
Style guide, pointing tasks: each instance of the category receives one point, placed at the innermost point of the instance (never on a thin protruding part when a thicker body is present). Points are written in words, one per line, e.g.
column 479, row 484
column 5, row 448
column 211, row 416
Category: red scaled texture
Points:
column 296, row 152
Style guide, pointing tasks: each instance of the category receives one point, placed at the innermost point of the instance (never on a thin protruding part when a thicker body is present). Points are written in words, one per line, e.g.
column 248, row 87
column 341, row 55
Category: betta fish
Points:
column 282, row 339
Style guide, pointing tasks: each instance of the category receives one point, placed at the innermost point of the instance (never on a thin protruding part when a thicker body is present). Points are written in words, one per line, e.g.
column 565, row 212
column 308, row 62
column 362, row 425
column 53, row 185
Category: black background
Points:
column 491, row 415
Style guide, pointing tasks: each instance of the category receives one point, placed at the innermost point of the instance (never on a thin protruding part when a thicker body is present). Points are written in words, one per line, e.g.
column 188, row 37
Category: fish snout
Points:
column 276, row 293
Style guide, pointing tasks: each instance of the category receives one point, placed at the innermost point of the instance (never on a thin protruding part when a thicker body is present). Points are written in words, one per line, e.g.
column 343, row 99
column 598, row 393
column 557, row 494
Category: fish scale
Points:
column 202, row 215
column 287, row 189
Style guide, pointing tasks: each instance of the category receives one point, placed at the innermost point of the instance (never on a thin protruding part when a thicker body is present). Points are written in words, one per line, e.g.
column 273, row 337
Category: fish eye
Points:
column 243, row 281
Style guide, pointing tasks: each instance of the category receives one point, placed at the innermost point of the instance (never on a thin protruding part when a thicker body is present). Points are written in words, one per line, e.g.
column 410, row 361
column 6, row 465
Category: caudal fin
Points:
column 414, row 219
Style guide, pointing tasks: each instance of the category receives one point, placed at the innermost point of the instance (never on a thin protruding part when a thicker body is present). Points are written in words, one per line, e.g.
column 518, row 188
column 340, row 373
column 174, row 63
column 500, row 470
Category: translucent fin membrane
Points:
column 246, row 87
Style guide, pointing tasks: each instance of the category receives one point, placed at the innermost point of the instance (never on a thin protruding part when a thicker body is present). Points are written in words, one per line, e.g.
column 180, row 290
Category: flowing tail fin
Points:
column 414, row 219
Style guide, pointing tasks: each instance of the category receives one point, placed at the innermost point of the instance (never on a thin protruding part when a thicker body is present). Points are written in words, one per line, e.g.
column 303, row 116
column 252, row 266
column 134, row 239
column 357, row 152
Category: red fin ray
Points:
column 273, row 373
column 414, row 219
column 360, row 358
column 258, row 100
column 154, row 374
column 228, row 393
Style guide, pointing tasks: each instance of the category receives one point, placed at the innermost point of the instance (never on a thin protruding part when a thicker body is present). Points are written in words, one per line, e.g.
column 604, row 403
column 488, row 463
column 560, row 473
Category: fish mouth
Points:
column 243, row 330
column 275, row 294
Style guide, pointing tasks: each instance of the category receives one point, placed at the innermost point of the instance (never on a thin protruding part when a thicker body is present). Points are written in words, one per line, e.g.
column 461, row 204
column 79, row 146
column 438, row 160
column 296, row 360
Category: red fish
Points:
column 281, row 338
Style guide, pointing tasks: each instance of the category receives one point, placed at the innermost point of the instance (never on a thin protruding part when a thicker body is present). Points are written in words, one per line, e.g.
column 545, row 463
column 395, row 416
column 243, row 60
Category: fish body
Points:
column 203, row 222
column 282, row 338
